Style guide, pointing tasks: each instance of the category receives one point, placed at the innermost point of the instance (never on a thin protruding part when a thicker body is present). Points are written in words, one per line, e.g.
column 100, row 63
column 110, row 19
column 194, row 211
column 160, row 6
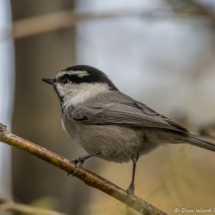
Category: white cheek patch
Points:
column 78, row 93
column 60, row 89
column 81, row 92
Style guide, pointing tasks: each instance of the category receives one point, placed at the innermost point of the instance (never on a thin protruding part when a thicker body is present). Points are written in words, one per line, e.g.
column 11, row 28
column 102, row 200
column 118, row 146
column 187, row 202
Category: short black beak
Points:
column 48, row 80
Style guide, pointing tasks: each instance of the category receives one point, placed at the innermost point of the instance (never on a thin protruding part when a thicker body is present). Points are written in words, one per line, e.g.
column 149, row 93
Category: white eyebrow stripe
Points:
column 80, row 74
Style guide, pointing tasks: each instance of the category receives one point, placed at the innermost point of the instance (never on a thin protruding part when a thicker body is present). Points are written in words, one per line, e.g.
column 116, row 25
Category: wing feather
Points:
column 128, row 114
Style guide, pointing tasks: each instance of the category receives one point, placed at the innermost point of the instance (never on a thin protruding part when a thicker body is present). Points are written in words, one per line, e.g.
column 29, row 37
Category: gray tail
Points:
column 200, row 142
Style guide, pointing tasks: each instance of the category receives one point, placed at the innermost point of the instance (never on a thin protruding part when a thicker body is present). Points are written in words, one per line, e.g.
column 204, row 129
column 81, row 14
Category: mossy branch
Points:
column 86, row 176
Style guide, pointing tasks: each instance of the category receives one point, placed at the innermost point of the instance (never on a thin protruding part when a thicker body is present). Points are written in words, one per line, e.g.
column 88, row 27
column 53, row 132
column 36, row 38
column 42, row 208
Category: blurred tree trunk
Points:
column 37, row 110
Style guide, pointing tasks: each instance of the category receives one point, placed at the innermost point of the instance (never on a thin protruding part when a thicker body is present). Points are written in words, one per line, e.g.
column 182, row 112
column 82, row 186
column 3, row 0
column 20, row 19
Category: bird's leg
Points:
column 130, row 189
column 79, row 161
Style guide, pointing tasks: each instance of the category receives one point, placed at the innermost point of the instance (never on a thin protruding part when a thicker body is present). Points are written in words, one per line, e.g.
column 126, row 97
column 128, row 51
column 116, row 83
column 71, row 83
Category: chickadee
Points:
column 109, row 124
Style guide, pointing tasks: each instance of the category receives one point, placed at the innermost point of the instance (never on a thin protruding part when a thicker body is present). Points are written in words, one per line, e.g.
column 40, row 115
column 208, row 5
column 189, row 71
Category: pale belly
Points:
column 116, row 143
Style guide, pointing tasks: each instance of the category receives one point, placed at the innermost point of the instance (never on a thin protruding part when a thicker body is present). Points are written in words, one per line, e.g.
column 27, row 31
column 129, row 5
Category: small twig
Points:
column 202, row 10
column 14, row 207
column 192, row 7
column 86, row 176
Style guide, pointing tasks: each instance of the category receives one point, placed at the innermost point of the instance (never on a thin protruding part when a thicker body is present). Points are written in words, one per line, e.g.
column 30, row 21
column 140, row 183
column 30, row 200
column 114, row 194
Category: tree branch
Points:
column 61, row 20
column 86, row 176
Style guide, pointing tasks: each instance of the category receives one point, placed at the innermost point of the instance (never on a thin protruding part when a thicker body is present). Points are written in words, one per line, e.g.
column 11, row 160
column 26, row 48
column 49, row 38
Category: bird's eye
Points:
column 65, row 80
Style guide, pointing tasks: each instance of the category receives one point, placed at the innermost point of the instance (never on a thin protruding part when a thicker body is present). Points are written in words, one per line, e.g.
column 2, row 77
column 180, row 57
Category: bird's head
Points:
column 79, row 83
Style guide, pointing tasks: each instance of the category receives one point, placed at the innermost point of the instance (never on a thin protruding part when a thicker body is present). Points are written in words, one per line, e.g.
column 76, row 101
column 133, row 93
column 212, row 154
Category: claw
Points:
column 79, row 163
column 130, row 190
column 75, row 160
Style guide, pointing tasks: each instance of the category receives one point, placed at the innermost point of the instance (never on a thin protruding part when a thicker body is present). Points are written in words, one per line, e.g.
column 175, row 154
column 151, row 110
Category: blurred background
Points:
column 159, row 52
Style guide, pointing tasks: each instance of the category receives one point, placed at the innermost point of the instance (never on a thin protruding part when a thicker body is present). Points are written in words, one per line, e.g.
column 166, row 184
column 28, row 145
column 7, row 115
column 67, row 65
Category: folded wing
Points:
column 128, row 114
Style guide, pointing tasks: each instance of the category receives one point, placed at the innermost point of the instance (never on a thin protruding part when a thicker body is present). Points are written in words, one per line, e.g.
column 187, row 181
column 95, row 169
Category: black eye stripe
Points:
column 66, row 76
column 92, row 76
column 60, row 79
column 74, row 78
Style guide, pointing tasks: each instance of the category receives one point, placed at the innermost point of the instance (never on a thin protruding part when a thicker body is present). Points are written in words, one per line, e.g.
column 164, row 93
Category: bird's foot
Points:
column 79, row 162
column 130, row 190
